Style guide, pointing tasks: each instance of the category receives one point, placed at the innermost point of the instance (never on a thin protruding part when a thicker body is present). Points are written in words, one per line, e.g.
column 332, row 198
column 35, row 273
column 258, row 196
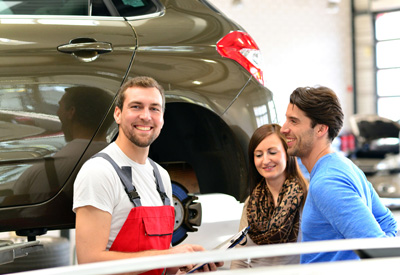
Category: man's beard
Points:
column 293, row 151
column 140, row 142
column 301, row 149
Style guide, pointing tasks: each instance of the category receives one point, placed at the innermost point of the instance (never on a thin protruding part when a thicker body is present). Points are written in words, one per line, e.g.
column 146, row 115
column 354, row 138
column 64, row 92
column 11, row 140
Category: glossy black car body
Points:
column 213, row 105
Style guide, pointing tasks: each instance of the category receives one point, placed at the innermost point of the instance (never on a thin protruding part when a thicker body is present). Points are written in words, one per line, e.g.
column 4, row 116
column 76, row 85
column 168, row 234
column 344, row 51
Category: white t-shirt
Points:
column 98, row 184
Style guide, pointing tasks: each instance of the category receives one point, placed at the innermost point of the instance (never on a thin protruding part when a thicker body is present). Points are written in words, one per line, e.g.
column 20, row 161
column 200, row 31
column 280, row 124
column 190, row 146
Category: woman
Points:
column 277, row 194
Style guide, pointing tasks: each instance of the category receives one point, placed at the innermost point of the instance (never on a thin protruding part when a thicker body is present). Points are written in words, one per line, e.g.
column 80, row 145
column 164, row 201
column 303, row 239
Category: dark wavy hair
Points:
column 142, row 82
column 322, row 106
column 292, row 167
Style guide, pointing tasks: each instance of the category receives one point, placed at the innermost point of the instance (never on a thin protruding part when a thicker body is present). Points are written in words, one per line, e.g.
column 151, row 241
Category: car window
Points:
column 44, row 7
column 126, row 8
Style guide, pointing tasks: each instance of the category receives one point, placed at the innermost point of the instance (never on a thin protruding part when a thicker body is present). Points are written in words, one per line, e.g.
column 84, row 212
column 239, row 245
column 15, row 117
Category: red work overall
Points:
column 147, row 227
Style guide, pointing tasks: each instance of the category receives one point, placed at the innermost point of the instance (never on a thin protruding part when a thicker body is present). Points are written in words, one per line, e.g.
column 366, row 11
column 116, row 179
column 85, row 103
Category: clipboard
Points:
column 230, row 243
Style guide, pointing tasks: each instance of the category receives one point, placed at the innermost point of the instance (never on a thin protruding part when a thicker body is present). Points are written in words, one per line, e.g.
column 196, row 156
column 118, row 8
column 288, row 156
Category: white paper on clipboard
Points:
column 230, row 243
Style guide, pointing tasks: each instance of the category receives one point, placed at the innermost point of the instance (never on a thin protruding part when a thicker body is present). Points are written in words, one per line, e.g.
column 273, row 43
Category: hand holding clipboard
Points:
column 230, row 243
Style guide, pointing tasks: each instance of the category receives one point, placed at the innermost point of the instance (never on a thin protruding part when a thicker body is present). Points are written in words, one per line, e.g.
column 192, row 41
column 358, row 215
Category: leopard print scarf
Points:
column 270, row 225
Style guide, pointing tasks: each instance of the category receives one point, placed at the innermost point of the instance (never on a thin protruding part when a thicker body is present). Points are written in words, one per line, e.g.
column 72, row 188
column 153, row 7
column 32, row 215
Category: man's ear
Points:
column 117, row 115
column 322, row 129
column 71, row 112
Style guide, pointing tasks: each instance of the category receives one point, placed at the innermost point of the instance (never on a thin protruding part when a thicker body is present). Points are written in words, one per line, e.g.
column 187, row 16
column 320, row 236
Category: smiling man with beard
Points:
column 341, row 203
column 122, row 199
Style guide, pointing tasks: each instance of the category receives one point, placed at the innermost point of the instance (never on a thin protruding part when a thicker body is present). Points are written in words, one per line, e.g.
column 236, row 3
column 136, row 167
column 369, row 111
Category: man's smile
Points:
column 290, row 140
column 143, row 128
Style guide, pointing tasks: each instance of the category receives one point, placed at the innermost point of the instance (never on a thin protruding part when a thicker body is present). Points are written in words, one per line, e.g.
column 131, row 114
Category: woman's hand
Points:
column 205, row 268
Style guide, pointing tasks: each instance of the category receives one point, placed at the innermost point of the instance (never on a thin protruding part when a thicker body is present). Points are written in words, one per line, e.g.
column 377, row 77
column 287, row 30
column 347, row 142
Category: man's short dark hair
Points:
column 139, row 81
column 321, row 105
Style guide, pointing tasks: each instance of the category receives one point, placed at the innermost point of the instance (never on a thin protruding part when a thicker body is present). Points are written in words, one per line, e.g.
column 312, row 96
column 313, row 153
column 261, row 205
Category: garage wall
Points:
column 303, row 44
column 364, row 47
column 364, row 63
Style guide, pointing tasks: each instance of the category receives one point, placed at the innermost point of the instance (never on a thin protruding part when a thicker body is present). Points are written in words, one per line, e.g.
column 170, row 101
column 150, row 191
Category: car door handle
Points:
column 85, row 49
column 99, row 47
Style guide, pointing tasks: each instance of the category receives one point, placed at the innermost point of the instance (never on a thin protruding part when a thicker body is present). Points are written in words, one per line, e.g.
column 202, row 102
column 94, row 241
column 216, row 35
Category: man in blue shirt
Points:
column 341, row 203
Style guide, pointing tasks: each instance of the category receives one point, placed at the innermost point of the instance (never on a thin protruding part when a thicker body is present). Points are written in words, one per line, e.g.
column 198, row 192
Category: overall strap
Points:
column 160, row 185
column 125, row 174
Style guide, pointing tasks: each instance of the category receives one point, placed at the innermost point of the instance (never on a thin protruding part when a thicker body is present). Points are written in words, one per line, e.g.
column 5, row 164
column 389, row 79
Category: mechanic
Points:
column 122, row 195
column 341, row 203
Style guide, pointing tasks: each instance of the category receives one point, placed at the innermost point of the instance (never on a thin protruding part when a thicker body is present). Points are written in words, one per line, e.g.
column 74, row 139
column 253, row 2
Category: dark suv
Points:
column 56, row 54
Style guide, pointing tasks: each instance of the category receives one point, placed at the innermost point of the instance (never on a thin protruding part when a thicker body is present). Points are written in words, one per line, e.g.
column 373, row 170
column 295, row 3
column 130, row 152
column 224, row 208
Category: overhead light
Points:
column 237, row 4
column 333, row 6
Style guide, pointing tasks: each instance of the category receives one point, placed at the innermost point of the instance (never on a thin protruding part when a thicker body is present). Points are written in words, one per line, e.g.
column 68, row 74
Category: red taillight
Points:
column 240, row 47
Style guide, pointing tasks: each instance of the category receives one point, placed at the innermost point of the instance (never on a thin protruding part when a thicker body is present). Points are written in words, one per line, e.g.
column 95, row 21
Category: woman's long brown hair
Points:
column 292, row 167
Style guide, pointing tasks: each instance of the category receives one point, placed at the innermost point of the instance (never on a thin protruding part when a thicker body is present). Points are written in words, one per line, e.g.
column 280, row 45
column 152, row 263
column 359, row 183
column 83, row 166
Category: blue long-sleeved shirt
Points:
column 342, row 204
